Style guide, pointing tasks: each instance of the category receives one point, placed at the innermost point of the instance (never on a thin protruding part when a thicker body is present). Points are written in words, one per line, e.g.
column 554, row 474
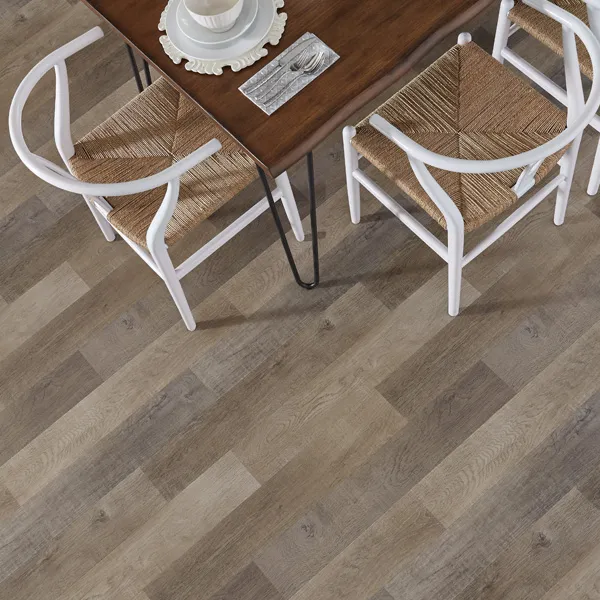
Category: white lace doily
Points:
column 241, row 54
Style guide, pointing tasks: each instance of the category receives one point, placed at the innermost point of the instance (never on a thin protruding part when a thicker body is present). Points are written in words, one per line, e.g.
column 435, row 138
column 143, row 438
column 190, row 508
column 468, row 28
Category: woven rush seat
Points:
column 465, row 105
column 157, row 128
column 549, row 32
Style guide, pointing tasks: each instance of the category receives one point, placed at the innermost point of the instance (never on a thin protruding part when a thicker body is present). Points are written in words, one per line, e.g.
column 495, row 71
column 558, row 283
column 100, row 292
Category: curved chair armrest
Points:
column 56, row 175
column 41, row 168
column 575, row 128
column 155, row 236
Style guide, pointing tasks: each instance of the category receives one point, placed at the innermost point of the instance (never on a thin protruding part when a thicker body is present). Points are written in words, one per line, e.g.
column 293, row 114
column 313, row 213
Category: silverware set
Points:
column 307, row 62
column 289, row 73
column 310, row 65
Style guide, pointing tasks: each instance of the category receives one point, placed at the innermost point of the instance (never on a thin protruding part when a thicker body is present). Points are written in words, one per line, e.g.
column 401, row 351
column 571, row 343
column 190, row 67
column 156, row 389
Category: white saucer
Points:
column 206, row 37
column 237, row 53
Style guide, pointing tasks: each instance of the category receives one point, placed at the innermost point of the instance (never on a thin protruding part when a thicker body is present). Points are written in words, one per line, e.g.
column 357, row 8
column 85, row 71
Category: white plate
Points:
column 252, row 37
column 206, row 37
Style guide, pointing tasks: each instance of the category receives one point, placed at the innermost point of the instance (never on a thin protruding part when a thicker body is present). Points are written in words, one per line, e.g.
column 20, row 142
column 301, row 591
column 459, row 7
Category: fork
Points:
column 278, row 71
column 312, row 66
column 299, row 63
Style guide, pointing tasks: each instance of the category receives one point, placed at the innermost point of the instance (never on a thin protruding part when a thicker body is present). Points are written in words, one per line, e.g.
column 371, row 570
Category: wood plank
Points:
column 338, row 518
column 508, row 509
column 549, row 401
column 582, row 582
column 87, row 541
column 464, row 342
column 548, row 331
column 161, row 418
column 367, row 562
column 278, row 503
column 249, row 584
column 167, row 535
column 22, row 225
column 273, row 442
column 590, row 488
column 30, row 413
column 37, row 307
column 300, row 360
column 8, row 505
column 46, row 252
column 538, row 558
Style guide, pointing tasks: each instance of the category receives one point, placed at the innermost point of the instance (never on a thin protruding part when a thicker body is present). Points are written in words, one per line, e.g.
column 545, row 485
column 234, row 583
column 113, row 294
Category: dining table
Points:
column 378, row 41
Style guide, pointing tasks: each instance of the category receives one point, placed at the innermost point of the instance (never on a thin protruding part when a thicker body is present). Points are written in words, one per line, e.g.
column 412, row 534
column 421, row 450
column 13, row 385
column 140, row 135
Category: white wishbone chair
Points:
column 515, row 15
column 151, row 172
column 474, row 110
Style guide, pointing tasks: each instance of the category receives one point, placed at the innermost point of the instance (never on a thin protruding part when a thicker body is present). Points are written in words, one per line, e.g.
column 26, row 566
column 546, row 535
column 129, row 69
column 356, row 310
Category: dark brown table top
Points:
column 378, row 41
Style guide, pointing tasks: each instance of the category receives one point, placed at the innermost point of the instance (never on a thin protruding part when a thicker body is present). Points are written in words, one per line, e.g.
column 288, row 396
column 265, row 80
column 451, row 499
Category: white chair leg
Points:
column 105, row 226
column 502, row 30
column 351, row 161
column 567, row 168
column 167, row 270
column 594, row 183
column 456, row 242
column 290, row 206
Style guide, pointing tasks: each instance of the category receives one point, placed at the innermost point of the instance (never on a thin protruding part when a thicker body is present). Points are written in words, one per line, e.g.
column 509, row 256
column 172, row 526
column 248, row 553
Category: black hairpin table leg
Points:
column 136, row 73
column 147, row 74
column 313, row 225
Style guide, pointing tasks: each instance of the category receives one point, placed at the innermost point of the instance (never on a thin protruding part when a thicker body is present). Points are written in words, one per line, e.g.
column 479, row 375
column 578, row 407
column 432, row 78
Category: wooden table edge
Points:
column 310, row 143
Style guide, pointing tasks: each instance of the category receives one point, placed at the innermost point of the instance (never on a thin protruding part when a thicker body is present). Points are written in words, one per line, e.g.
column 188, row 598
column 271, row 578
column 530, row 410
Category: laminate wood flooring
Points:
column 349, row 443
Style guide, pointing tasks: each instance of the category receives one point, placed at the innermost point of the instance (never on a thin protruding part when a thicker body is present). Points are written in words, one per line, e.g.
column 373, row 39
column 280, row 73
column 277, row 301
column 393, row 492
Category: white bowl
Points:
column 216, row 15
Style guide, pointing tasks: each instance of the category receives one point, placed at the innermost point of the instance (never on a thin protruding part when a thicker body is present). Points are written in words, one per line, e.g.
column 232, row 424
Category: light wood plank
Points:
column 36, row 308
column 549, row 401
column 60, row 445
column 537, row 559
column 367, row 562
column 166, row 536
column 87, row 541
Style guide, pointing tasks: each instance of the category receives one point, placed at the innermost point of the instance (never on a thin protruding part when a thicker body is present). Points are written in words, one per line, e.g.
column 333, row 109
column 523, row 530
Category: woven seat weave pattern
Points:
column 549, row 32
column 465, row 105
column 157, row 128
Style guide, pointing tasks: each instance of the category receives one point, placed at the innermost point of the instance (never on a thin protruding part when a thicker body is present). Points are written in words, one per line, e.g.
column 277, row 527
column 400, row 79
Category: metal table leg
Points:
column 313, row 225
column 136, row 73
column 147, row 74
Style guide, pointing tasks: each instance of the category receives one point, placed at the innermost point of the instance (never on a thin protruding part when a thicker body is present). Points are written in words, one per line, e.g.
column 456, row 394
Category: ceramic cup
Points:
column 216, row 15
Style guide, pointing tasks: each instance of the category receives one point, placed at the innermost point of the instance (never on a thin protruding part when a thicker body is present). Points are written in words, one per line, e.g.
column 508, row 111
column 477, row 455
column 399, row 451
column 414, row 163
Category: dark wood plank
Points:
column 337, row 519
column 539, row 557
column 170, row 412
column 33, row 411
column 86, row 542
column 377, row 45
column 512, row 506
column 29, row 220
column 249, row 584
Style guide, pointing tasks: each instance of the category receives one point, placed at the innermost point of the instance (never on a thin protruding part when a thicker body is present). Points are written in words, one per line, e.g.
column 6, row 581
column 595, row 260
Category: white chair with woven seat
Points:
column 516, row 15
column 152, row 172
column 488, row 137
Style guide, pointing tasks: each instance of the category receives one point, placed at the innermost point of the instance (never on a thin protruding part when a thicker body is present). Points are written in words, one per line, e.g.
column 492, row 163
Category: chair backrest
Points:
column 580, row 112
column 59, row 176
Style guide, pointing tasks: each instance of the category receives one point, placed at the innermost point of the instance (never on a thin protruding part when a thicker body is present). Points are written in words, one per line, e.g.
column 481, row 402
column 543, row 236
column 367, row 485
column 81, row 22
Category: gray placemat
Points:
column 282, row 79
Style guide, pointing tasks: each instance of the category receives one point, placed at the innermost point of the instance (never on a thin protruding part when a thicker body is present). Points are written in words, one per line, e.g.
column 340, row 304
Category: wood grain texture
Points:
column 393, row 34
column 352, row 442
